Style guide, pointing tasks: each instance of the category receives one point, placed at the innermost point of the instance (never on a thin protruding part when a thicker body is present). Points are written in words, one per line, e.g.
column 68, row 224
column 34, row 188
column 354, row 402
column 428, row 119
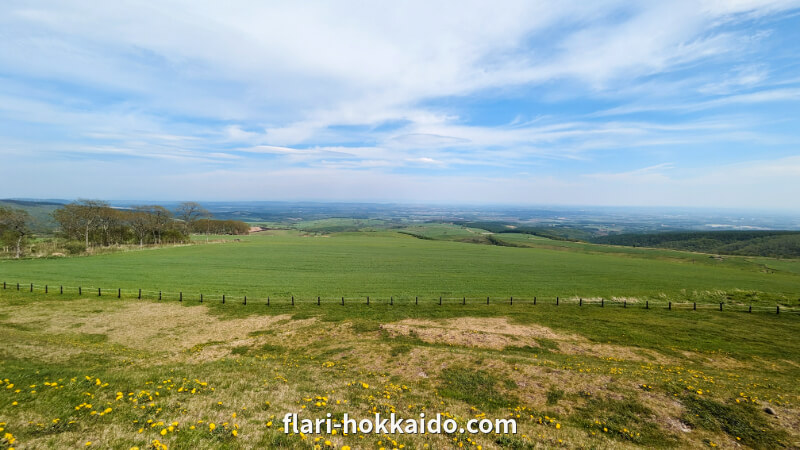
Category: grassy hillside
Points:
column 382, row 264
column 81, row 371
column 551, row 232
column 100, row 372
column 783, row 244
column 41, row 213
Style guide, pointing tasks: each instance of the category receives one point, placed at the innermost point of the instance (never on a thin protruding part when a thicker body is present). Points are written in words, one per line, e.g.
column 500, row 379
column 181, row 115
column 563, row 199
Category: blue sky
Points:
column 690, row 103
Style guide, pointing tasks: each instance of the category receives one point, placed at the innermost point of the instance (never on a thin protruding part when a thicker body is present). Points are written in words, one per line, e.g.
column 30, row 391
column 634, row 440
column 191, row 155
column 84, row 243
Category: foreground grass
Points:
column 123, row 373
column 355, row 265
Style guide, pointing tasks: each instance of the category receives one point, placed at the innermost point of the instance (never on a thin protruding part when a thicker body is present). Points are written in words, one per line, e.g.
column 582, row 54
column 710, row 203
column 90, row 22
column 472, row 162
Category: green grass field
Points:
column 81, row 371
column 382, row 264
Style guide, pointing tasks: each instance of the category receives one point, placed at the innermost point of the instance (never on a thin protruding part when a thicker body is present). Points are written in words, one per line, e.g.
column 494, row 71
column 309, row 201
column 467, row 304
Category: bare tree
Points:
column 14, row 226
column 108, row 220
column 83, row 215
column 139, row 220
column 189, row 212
column 160, row 219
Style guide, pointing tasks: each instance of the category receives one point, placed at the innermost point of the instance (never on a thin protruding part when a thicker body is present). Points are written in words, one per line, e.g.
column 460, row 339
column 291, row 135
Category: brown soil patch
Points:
column 495, row 333
column 499, row 333
column 145, row 325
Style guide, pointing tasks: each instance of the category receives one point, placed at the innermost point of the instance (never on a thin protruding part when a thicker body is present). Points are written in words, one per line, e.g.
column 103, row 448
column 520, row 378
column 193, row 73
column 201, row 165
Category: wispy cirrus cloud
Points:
column 416, row 89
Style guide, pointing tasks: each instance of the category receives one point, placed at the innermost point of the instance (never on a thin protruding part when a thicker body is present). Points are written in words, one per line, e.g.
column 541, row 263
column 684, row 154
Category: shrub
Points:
column 75, row 247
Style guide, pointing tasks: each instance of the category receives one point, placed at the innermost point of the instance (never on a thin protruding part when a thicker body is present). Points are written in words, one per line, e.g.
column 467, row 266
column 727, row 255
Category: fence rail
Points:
column 291, row 300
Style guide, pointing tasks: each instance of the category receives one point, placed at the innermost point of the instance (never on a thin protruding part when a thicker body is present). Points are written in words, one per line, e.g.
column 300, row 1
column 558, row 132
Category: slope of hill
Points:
column 783, row 244
column 40, row 211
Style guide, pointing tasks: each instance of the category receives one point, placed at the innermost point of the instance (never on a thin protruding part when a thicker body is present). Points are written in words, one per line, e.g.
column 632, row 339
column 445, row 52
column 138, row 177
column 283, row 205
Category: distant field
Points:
column 385, row 263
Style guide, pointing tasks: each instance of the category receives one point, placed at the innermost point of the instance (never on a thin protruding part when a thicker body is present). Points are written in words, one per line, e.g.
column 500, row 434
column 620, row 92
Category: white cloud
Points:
column 349, row 89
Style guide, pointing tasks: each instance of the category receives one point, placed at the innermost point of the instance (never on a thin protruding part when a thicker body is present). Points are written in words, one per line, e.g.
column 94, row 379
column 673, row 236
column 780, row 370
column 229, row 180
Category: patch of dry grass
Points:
column 187, row 365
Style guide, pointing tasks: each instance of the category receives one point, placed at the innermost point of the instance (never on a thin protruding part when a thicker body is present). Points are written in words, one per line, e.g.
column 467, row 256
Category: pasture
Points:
column 83, row 371
column 281, row 264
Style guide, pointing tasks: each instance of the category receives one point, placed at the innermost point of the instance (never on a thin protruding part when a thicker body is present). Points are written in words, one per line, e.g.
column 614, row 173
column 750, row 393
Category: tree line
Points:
column 85, row 224
column 781, row 244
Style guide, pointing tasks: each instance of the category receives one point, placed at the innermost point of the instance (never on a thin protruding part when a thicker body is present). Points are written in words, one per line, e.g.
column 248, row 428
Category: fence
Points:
column 580, row 302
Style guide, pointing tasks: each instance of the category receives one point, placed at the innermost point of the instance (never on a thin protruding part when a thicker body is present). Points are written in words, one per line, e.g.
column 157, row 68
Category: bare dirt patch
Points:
column 499, row 333
column 493, row 333
column 172, row 327
column 146, row 325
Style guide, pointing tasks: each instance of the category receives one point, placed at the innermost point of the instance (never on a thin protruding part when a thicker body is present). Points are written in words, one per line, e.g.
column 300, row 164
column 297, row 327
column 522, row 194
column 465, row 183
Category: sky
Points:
column 650, row 103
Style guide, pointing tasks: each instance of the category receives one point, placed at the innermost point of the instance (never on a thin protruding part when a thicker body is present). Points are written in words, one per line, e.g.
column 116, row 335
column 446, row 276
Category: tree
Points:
column 189, row 212
column 84, row 216
column 139, row 220
column 160, row 220
column 108, row 222
column 14, row 227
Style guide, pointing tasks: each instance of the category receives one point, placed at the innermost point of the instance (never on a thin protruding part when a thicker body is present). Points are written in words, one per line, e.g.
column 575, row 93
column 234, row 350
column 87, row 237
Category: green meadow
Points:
column 383, row 264
column 82, row 371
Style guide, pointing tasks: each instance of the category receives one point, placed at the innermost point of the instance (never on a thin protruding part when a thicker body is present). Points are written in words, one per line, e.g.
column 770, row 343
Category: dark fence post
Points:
column 440, row 300
column 487, row 300
column 79, row 290
column 368, row 300
column 778, row 309
column 45, row 289
column 720, row 306
column 694, row 306
column 119, row 292
column 750, row 309
column 602, row 303
column 464, row 301
column 511, row 300
column 268, row 300
column 670, row 306
column 342, row 301
column 245, row 300
column 223, row 299
column 580, row 302
column 61, row 289
column 201, row 298
column 534, row 300
column 416, row 300
column 180, row 296
column 293, row 300
column 98, row 292
column 318, row 301
column 159, row 295
column 556, row 301
column 31, row 287
column 391, row 301
column 625, row 303
column 140, row 293
column 18, row 286
column 647, row 304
